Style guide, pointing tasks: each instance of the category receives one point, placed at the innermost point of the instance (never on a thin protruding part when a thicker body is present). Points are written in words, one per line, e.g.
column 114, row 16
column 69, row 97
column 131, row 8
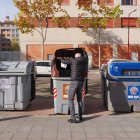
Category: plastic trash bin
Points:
column 121, row 86
column 60, row 94
column 61, row 80
column 104, row 77
column 17, row 85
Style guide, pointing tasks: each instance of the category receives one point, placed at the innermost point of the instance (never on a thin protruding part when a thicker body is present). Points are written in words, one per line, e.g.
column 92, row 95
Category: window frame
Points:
column 131, row 2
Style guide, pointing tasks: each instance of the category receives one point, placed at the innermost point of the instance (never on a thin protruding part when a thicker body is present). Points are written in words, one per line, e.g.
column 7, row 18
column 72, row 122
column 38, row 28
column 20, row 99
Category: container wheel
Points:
column 133, row 109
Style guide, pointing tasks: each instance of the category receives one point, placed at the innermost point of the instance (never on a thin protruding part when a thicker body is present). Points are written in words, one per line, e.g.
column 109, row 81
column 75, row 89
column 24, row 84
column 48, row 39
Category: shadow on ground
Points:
column 93, row 99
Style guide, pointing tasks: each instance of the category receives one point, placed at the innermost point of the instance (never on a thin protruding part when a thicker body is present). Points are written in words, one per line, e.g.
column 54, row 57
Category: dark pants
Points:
column 76, row 87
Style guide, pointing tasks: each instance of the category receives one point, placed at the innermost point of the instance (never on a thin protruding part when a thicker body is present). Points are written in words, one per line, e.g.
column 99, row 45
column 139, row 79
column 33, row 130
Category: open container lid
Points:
column 68, row 52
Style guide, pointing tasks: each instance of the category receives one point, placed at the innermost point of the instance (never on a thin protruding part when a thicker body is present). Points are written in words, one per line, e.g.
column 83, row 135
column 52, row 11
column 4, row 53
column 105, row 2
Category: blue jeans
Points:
column 76, row 87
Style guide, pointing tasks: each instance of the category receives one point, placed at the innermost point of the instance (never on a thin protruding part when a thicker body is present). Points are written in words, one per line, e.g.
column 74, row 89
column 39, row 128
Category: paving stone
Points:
column 49, row 135
column 116, row 129
column 38, row 128
column 6, row 135
column 90, row 129
column 134, row 135
column 129, row 129
column 93, row 135
column 121, row 135
column 35, row 135
column 65, row 135
column 78, row 136
column 107, row 135
column 21, row 135
column 25, row 127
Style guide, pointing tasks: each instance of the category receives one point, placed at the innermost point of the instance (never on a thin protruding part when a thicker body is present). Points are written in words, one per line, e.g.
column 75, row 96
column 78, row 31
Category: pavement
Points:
column 38, row 121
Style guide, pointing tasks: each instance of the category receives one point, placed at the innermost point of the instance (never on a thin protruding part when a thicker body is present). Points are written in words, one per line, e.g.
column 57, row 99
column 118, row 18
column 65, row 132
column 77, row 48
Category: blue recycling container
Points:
column 122, row 86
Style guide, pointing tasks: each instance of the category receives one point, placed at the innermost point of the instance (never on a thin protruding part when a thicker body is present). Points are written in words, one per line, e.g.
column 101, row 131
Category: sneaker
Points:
column 72, row 120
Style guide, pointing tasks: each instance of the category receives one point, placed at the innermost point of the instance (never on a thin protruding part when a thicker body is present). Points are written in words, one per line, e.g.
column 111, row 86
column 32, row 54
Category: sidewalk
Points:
column 94, row 127
column 39, row 123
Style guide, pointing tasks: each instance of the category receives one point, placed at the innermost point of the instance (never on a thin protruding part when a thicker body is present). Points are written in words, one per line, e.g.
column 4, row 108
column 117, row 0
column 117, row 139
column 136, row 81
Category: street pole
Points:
column 128, row 36
column 128, row 53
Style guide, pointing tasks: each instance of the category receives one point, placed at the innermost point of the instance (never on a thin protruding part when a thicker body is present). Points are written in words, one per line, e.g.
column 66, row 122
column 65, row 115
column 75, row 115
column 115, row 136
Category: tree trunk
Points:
column 42, row 50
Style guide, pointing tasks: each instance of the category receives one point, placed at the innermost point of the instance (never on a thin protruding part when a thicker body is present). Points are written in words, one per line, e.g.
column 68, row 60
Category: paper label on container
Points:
column 4, row 83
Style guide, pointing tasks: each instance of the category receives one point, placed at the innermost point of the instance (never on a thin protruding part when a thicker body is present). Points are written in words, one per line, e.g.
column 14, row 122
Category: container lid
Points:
column 62, row 78
column 68, row 52
column 124, row 69
column 16, row 67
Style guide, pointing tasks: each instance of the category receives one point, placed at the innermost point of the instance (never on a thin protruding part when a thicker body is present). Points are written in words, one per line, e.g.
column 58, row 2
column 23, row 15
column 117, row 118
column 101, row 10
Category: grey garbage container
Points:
column 61, row 80
column 16, row 90
column 120, row 86
column 60, row 94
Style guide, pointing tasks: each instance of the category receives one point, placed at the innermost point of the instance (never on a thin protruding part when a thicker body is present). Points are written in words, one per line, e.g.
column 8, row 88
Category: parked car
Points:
column 43, row 67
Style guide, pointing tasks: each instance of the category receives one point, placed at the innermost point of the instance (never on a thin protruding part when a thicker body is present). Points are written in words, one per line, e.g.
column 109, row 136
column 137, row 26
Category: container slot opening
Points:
column 131, row 72
column 63, row 72
column 67, row 53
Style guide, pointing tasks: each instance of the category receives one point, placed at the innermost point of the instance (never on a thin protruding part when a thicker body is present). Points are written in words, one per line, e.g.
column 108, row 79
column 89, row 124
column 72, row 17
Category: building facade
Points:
column 8, row 33
column 120, row 34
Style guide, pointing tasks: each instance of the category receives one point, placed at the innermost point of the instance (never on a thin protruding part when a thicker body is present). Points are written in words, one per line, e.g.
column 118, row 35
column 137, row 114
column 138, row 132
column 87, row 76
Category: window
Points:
column 13, row 35
column 66, row 2
column 8, row 30
column 50, row 56
column 129, row 2
column 85, row 2
column 134, row 56
column 43, row 64
column 13, row 30
column 131, row 22
column 3, row 30
column 108, row 2
column 115, row 51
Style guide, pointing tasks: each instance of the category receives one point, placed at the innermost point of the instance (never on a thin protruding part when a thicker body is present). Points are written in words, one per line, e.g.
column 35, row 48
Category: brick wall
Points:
column 33, row 52
column 123, row 50
column 106, row 53
column 73, row 22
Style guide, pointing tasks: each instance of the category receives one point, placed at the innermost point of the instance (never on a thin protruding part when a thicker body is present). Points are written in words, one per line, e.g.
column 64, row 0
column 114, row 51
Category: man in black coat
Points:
column 78, row 73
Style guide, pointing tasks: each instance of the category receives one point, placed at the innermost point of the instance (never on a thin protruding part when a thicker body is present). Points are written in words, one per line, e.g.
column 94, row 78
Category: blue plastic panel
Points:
column 124, row 69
